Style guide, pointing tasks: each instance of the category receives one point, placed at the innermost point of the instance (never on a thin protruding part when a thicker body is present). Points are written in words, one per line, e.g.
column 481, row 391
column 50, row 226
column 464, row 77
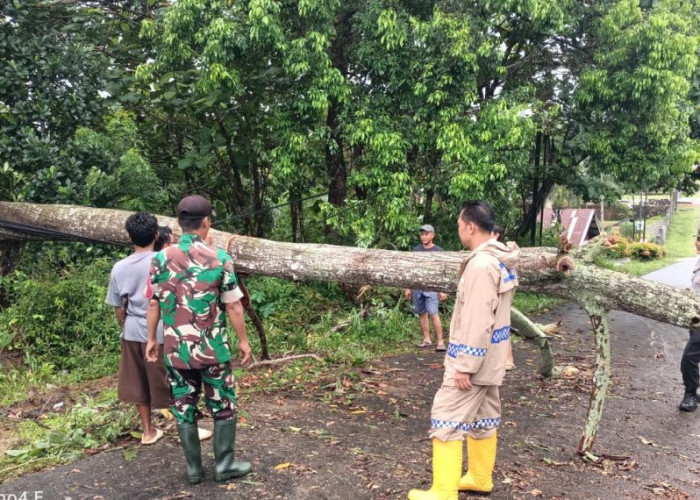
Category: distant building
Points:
column 580, row 224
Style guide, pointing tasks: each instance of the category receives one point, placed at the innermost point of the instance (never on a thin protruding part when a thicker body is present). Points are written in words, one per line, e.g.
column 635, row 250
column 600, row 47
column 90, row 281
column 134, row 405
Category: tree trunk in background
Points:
column 537, row 267
column 335, row 159
column 544, row 169
column 10, row 252
column 535, row 187
column 233, row 173
column 258, row 196
column 429, row 194
column 293, row 218
column 335, row 150
column 300, row 212
column 534, row 208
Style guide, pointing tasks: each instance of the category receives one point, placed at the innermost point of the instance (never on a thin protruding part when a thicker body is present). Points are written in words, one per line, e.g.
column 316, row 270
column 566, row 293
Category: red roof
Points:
column 580, row 224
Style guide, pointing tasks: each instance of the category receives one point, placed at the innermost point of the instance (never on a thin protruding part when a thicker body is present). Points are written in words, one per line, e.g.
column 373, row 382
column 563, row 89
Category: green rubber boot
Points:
column 225, row 465
column 189, row 439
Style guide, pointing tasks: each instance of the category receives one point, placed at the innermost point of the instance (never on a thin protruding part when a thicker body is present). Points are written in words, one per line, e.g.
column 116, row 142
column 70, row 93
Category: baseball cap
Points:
column 427, row 228
column 194, row 207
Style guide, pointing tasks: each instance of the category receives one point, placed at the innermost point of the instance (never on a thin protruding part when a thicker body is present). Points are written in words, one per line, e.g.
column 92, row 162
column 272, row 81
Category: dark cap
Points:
column 194, row 207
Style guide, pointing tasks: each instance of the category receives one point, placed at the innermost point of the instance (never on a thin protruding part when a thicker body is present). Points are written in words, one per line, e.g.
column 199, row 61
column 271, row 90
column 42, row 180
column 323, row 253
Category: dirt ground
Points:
column 367, row 439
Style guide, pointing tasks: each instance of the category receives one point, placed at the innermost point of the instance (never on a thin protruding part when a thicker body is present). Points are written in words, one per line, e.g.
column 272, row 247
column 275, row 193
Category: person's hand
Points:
column 407, row 294
column 443, row 296
column 244, row 351
column 152, row 351
column 463, row 381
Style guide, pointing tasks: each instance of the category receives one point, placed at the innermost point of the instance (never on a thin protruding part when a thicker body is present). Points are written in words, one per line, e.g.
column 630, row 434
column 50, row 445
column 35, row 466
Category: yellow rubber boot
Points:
column 481, row 457
column 447, row 467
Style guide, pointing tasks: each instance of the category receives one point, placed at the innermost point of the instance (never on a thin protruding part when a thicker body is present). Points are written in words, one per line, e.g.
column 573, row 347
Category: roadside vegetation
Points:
column 679, row 244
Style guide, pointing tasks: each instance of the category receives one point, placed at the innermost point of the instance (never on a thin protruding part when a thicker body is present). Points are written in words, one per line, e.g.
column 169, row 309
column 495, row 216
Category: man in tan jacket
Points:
column 475, row 364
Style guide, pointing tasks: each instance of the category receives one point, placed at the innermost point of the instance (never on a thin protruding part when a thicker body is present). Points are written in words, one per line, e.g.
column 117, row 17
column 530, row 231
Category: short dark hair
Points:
column 188, row 224
column 165, row 236
column 142, row 228
column 480, row 213
column 497, row 230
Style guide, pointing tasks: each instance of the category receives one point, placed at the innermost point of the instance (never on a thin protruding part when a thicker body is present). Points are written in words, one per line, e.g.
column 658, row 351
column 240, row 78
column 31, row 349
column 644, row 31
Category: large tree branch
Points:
column 537, row 267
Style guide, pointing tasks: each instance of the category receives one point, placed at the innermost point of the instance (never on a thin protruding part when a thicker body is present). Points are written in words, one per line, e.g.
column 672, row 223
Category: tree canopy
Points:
column 347, row 122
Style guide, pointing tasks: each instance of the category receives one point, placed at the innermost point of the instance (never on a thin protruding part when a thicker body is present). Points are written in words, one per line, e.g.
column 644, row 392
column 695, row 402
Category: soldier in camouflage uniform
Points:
column 193, row 287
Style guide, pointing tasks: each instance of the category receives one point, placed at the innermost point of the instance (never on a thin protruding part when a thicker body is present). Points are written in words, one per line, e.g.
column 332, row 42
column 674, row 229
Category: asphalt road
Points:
column 677, row 275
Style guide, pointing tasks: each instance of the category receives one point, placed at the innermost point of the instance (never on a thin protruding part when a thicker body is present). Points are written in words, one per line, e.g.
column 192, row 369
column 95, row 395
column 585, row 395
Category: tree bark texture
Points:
column 601, row 378
column 537, row 267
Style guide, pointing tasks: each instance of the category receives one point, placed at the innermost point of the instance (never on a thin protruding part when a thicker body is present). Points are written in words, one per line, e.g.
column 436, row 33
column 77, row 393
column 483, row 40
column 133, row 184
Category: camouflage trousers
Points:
column 219, row 392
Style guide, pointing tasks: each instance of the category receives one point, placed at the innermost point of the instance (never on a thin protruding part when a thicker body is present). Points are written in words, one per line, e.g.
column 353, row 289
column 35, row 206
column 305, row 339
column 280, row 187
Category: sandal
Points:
column 203, row 433
column 154, row 439
column 424, row 344
column 440, row 348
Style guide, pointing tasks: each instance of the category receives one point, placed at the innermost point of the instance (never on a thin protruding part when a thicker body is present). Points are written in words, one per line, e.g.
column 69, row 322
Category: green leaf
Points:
column 130, row 453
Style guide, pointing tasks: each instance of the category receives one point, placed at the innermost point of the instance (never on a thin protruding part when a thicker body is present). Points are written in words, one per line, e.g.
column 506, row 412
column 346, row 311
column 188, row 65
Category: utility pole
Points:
column 644, row 213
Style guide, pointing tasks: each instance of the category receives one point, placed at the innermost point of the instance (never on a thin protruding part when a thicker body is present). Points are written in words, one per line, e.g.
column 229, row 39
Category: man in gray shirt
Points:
column 141, row 383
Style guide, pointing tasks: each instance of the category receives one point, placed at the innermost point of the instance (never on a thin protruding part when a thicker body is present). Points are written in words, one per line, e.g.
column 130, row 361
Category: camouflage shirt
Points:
column 192, row 281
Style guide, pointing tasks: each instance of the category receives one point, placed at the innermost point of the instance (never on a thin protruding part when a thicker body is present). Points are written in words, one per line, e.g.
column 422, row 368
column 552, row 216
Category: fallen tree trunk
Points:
column 541, row 270
column 299, row 262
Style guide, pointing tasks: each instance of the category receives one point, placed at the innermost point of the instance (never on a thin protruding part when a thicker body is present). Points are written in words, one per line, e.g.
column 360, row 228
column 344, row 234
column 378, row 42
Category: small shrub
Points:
column 61, row 316
column 646, row 251
column 617, row 246
column 620, row 250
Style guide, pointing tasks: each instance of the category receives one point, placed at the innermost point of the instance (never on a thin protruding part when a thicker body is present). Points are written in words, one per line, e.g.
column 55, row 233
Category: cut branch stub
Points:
column 565, row 263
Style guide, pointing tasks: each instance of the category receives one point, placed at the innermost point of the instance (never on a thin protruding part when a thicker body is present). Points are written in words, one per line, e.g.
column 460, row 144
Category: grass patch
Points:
column 659, row 196
column 319, row 318
column 535, row 304
column 679, row 244
column 40, row 376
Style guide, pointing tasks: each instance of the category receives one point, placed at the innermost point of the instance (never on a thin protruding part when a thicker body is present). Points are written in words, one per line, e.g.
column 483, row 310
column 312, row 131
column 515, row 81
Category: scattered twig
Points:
column 183, row 494
column 615, row 458
column 19, row 465
column 278, row 361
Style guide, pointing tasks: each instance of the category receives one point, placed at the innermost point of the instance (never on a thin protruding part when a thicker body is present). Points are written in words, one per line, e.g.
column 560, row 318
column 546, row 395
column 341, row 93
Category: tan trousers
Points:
column 476, row 412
